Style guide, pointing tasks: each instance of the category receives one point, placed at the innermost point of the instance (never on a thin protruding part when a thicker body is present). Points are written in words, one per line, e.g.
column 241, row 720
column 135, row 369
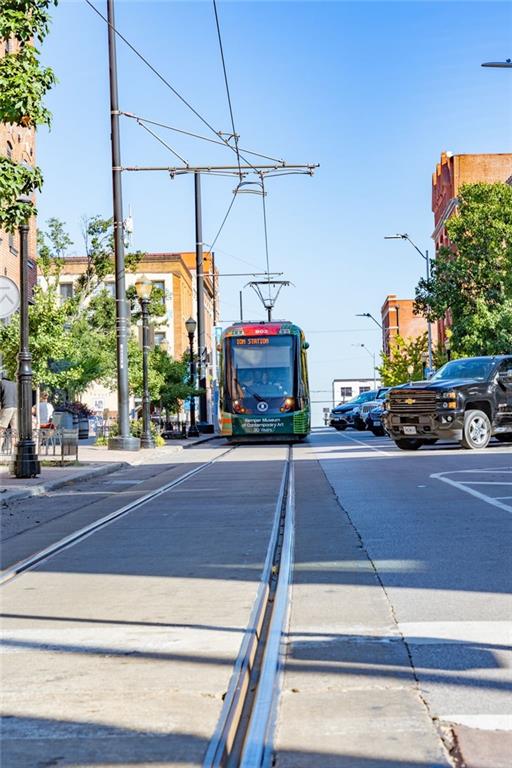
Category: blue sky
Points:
column 371, row 91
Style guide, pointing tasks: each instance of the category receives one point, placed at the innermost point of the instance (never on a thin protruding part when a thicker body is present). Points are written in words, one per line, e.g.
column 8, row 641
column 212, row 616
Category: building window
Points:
column 159, row 338
column 9, row 150
column 345, row 391
column 160, row 285
column 66, row 291
column 364, row 389
column 12, row 244
column 111, row 289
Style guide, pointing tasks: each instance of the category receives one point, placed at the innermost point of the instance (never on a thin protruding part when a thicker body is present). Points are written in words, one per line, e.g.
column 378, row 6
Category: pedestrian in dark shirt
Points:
column 8, row 403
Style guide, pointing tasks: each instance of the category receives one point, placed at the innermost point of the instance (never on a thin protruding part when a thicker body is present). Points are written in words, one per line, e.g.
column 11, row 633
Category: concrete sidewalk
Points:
column 93, row 461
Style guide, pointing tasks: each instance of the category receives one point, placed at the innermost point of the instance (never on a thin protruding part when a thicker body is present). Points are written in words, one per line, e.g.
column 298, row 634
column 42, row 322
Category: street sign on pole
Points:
column 9, row 297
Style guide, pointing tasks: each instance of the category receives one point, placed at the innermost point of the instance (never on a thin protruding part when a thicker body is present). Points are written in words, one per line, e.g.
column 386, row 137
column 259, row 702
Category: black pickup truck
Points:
column 467, row 400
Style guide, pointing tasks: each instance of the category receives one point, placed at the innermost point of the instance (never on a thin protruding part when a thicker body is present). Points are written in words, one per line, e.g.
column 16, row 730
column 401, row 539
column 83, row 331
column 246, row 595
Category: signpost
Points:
column 9, row 297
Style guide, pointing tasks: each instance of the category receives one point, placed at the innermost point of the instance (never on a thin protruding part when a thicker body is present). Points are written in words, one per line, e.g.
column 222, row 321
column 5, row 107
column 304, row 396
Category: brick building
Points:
column 451, row 173
column 174, row 273
column 18, row 144
column 398, row 319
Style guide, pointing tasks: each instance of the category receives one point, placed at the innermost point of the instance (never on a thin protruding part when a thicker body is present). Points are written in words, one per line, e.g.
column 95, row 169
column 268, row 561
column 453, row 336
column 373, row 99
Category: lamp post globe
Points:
column 191, row 325
column 144, row 286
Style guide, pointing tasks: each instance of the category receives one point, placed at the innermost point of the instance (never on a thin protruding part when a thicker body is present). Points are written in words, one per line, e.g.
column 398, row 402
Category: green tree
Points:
column 52, row 246
column 405, row 361
column 175, row 387
column 23, row 86
column 473, row 281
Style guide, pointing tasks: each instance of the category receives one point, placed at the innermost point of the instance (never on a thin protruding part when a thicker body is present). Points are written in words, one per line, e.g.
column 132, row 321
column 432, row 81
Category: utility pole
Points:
column 201, row 334
column 124, row 441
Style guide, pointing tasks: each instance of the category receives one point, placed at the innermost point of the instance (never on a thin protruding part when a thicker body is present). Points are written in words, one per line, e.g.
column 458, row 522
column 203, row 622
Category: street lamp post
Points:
column 372, row 355
column 448, row 347
column 426, row 258
column 26, row 463
column 143, row 286
column 191, row 329
column 367, row 314
column 507, row 64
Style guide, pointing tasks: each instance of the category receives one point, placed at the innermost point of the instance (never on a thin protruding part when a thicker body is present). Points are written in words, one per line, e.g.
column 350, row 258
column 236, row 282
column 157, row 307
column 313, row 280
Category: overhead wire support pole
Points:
column 123, row 441
column 201, row 335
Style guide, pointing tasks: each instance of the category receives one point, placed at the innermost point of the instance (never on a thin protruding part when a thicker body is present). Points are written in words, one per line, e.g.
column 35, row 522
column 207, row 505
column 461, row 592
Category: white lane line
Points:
column 464, row 486
column 486, row 482
column 480, row 722
column 366, row 445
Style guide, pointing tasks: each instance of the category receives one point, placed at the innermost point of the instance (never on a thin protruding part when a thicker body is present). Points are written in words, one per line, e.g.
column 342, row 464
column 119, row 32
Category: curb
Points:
column 39, row 490
column 106, row 469
column 201, row 440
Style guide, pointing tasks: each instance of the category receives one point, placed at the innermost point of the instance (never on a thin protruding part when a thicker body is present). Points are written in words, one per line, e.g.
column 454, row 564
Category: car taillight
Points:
column 288, row 404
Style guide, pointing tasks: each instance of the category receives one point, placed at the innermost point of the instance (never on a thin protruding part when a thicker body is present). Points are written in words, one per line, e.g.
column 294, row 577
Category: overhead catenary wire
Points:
column 221, row 47
column 167, row 83
column 265, row 231
column 199, row 136
column 158, row 138
column 212, row 245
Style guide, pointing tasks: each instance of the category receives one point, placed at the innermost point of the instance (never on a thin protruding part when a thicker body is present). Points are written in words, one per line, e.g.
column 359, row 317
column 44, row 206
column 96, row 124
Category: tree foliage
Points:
column 73, row 341
column 407, row 359
column 473, row 280
column 24, row 84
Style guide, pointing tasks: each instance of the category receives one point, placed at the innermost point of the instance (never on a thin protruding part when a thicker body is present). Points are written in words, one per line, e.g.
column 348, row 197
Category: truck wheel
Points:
column 477, row 430
column 408, row 444
column 378, row 431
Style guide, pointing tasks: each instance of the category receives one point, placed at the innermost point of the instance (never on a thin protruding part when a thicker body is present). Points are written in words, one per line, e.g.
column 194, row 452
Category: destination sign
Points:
column 241, row 342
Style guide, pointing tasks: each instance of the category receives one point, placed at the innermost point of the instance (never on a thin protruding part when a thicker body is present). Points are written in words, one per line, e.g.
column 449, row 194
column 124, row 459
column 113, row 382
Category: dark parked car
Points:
column 362, row 411
column 374, row 421
column 342, row 416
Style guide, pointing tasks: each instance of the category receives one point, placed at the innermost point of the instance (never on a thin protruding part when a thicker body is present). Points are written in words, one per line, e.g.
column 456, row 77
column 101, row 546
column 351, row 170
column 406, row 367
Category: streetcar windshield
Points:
column 261, row 367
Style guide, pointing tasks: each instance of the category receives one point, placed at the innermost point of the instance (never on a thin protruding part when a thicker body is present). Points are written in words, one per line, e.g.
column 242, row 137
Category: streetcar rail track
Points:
column 82, row 533
column 243, row 737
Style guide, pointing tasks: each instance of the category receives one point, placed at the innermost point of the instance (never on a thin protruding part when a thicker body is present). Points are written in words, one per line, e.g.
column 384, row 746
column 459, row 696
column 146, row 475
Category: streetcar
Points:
column 264, row 382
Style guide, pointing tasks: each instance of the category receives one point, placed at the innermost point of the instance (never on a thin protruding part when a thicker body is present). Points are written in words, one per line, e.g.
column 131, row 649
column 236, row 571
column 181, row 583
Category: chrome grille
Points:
column 412, row 401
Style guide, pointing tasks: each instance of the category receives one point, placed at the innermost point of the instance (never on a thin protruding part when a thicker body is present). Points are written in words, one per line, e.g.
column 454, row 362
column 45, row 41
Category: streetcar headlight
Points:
column 288, row 404
column 238, row 407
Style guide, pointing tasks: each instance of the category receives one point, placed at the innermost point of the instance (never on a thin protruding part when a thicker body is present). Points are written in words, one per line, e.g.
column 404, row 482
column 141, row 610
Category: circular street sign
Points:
column 9, row 297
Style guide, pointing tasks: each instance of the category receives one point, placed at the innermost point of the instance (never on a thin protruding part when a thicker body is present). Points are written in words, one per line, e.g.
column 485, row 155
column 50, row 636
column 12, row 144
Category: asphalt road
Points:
column 118, row 650
column 435, row 526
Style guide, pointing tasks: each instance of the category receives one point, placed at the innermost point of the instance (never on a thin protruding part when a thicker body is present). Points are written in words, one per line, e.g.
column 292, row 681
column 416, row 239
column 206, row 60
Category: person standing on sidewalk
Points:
column 8, row 403
column 45, row 410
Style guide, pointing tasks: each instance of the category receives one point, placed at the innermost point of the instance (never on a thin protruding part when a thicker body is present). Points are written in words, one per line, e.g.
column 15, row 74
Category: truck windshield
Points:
column 478, row 368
